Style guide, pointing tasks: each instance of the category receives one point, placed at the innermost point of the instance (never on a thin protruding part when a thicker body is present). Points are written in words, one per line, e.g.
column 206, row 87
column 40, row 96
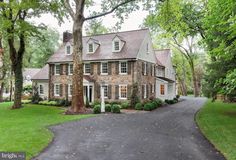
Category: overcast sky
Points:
column 133, row 22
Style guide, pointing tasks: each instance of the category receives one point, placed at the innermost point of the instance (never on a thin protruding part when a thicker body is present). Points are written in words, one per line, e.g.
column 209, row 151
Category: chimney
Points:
column 67, row 36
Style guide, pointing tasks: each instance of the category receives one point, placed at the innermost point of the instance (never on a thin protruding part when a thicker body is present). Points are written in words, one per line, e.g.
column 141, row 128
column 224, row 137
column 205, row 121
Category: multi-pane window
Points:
column 123, row 67
column 116, row 45
column 57, row 90
column 87, row 68
column 68, row 50
column 90, row 47
column 104, row 68
column 70, row 90
column 144, row 91
column 145, row 68
column 162, row 89
column 57, row 69
column 105, row 90
column 70, row 69
column 41, row 89
column 123, row 91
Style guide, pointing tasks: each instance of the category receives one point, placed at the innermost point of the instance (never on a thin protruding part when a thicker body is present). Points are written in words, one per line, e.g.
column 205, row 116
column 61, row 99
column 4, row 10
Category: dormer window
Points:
column 68, row 49
column 116, row 45
column 90, row 47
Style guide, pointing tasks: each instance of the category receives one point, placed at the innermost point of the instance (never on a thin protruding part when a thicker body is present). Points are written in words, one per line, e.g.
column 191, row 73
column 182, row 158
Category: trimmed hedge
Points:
column 115, row 108
column 97, row 109
column 139, row 106
column 125, row 105
column 108, row 107
column 148, row 107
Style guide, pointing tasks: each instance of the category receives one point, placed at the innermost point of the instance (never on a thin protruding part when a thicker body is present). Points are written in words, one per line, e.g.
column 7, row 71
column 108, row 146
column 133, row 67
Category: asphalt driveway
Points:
column 168, row 133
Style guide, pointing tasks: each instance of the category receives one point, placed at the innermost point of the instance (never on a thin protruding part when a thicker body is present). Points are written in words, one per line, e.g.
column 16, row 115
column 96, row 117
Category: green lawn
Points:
column 218, row 122
column 26, row 129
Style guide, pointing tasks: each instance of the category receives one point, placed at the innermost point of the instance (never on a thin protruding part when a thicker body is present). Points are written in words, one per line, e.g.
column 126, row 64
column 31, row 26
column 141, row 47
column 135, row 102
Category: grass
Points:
column 217, row 121
column 26, row 129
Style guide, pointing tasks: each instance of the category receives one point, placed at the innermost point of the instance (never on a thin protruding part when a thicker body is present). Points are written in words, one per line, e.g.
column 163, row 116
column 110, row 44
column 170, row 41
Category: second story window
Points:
column 145, row 68
column 123, row 68
column 70, row 69
column 104, row 68
column 87, row 68
column 68, row 50
column 57, row 69
column 116, row 45
column 90, row 47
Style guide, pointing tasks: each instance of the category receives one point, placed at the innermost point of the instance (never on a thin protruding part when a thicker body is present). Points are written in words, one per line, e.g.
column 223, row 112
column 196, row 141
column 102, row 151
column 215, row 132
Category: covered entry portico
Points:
column 88, row 84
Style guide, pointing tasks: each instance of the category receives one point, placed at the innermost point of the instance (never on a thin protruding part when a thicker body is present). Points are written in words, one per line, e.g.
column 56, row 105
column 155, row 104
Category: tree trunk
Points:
column 77, row 79
column 1, row 92
column 195, row 82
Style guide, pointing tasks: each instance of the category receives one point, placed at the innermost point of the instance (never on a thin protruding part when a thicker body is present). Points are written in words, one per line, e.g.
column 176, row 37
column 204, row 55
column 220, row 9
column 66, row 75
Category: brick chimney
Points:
column 67, row 36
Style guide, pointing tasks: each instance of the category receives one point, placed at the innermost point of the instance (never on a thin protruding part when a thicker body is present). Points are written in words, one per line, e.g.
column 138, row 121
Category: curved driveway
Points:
column 168, row 133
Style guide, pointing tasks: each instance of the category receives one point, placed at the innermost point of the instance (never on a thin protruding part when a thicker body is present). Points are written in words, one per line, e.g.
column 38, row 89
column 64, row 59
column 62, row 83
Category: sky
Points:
column 133, row 22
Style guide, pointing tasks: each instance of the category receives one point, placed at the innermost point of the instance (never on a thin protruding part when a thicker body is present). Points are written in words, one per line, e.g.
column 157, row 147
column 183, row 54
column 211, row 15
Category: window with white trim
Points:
column 153, row 88
column 87, row 68
column 145, row 68
column 70, row 90
column 90, row 48
column 105, row 90
column 57, row 69
column 145, row 91
column 70, row 69
column 123, row 91
column 123, row 68
column 116, row 45
column 104, row 68
column 41, row 90
column 57, row 90
column 68, row 50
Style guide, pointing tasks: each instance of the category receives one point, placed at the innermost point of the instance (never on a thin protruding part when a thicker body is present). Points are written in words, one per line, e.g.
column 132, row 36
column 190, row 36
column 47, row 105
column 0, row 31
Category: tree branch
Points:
column 112, row 10
column 69, row 9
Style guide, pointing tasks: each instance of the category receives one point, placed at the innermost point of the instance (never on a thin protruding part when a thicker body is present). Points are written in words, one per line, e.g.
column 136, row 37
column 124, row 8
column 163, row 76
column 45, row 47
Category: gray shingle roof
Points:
column 43, row 74
column 162, row 56
column 30, row 71
column 133, row 41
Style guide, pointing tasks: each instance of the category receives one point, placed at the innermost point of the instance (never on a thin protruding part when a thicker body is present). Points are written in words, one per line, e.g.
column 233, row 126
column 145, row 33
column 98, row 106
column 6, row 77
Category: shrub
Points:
column 177, row 96
column 134, row 99
column 25, row 101
column 53, row 103
column 154, row 105
column 125, row 105
column 97, row 109
column 146, row 101
column 96, row 102
column 36, row 98
column 115, row 108
column 108, row 107
column 159, row 102
column 148, row 107
column 139, row 106
column 176, row 100
column 169, row 101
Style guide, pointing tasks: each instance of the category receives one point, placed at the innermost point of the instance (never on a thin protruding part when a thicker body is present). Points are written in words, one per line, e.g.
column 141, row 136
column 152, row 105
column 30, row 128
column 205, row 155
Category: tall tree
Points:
column 94, row 27
column 78, row 17
column 181, row 21
column 16, row 28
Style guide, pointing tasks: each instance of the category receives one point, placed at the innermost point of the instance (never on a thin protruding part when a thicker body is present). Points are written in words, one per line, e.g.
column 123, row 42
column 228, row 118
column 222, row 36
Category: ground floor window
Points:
column 105, row 90
column 70, row 90
column 162, row 89
column 123, row 91
column 41, row 90
column 57, row 90
column 144, row 91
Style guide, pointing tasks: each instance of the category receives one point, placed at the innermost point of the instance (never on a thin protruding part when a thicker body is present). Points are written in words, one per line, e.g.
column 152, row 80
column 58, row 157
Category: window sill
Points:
column 123, row 98
column 104, row 74
column 123, row 73
column 56, row 95
column 87, row 74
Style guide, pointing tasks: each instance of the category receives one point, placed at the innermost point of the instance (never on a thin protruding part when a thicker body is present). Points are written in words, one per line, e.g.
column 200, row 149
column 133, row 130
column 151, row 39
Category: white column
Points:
column 88, row 92
column 102, row 98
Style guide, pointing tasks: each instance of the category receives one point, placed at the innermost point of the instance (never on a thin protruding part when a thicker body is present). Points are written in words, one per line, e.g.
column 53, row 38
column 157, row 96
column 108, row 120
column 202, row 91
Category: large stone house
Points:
column 115, row 61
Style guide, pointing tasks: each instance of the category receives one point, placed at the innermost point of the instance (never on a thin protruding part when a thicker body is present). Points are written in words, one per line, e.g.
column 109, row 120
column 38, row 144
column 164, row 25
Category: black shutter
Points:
column 109, row 68
column 61, row 90
column 66, row 90
column 67, row 68
column 117, row 92
column 91, row 68
column 129, row 91
column 61, row 69
column 154, row 72
column 143, row 66
column 129, row 67
column 99, row 68
column 117, row 67
column 109, row 91
column 98, row 91
column 52, row 69
column 142, row 91
column 151, row 69
column 147, row 90
column 52, row 89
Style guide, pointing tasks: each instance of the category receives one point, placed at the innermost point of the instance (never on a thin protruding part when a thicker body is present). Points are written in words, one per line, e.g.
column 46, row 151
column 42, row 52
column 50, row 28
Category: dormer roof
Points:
column 104, row 51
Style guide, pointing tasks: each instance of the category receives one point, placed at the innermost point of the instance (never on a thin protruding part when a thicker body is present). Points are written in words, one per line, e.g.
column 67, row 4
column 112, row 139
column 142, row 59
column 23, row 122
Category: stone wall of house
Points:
column 113, row 79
